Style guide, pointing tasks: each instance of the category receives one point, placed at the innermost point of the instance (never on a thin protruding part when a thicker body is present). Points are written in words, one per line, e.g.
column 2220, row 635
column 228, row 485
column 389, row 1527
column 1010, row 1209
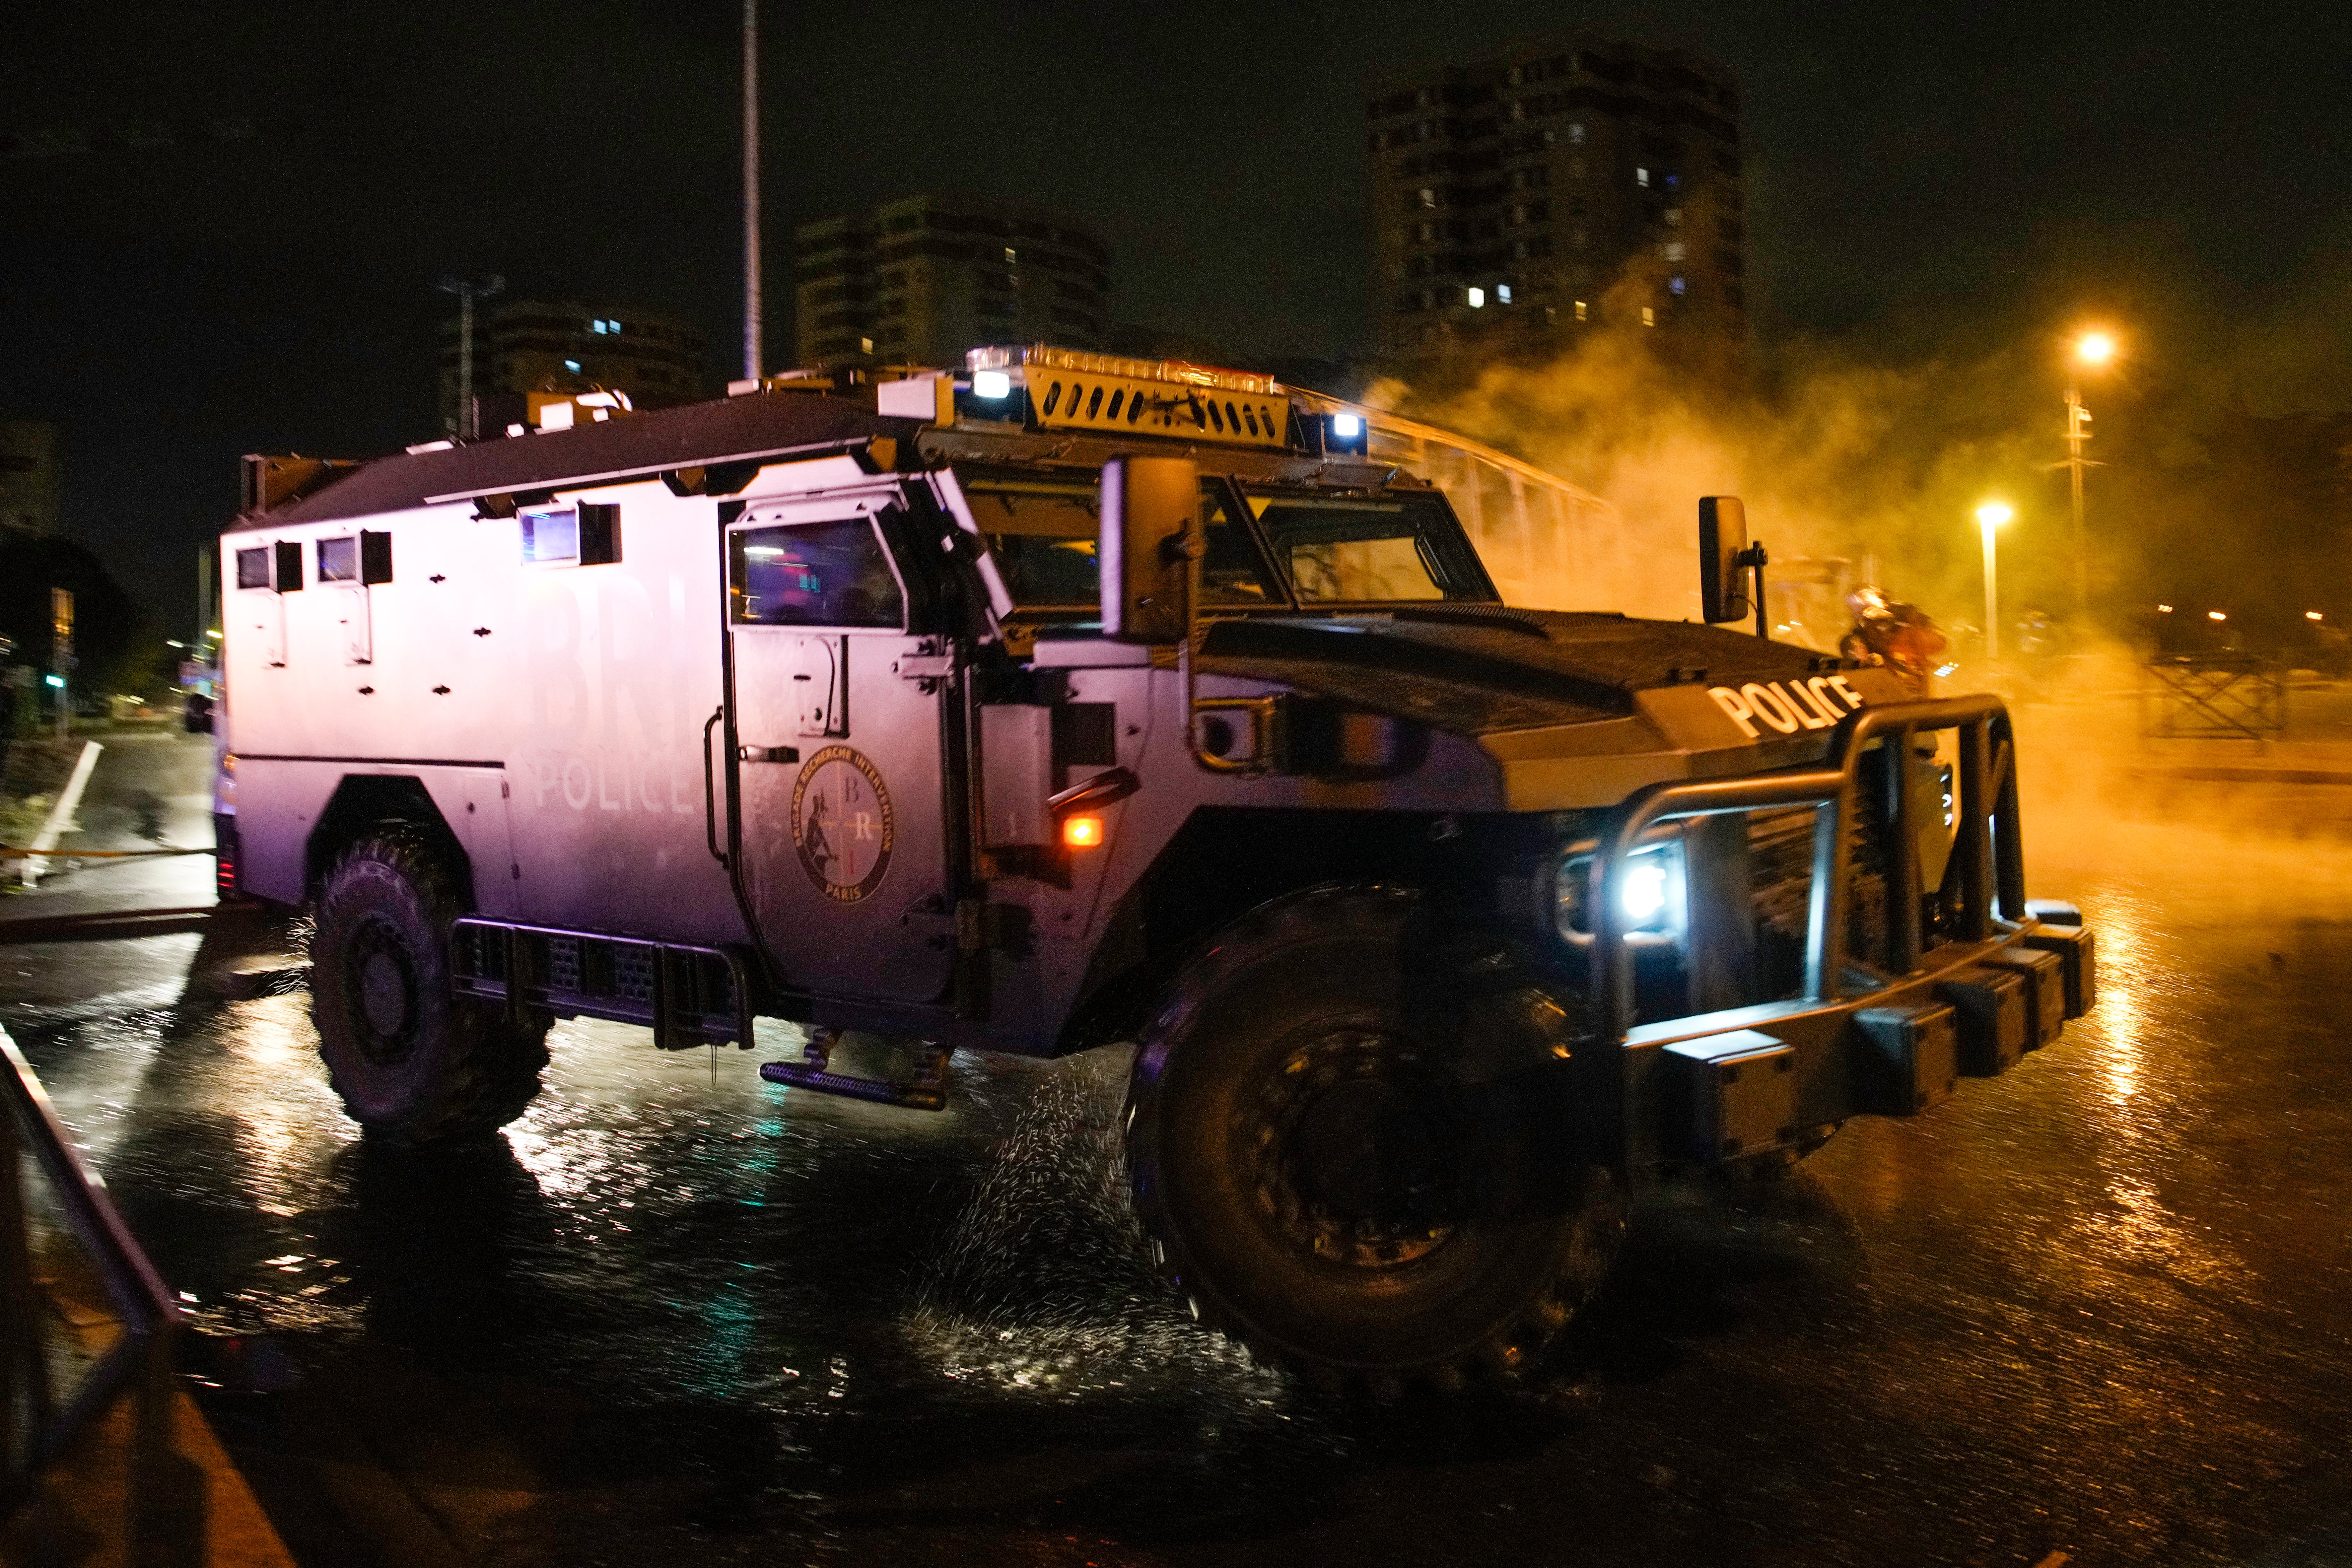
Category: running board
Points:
column 927, row 1091
column 687, row 995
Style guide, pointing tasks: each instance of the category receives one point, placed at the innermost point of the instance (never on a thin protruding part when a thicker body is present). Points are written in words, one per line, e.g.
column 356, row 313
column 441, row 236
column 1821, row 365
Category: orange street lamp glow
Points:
column 2095, row 348
column 1082, row 832
column 2216, row 616
column 2313, row 615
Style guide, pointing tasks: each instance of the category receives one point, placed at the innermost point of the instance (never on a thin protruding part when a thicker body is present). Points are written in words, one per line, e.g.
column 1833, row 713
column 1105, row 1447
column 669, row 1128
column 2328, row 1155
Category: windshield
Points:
column 1043, row 534
column 1369, row 548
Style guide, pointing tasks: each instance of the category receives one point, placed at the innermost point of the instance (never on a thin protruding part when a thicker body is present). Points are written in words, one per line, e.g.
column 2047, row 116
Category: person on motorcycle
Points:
column 1897, row 637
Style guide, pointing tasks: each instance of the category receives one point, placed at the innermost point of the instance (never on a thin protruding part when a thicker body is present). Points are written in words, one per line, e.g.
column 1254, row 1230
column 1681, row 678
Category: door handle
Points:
column 710, row 805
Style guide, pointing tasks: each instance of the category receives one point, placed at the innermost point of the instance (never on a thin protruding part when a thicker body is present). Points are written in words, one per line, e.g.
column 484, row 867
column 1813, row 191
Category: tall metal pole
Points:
column 751, row 355
column 1992, row 590
column 466, row 421
column 2076, row 417
column 467, row 425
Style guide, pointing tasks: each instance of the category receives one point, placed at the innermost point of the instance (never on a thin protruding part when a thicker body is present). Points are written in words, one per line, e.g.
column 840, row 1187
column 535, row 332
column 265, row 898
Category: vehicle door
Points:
column 838, row 720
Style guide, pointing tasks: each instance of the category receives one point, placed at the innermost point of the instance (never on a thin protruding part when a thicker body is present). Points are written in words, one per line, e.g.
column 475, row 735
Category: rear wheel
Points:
column 412, row 1062
column 1346, row 1135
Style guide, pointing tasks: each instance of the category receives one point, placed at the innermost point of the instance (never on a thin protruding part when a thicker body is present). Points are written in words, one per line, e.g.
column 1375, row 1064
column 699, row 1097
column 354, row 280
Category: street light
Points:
column 2091, row 350
column 1990, row 516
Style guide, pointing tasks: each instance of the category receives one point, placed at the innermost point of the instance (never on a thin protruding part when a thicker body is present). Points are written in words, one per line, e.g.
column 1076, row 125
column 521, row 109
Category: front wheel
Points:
column 412, row 1062
column 1346, row 1136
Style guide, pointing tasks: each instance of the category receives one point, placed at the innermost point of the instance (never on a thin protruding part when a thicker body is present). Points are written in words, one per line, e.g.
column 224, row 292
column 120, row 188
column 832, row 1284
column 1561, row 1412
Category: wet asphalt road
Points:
column 2098, row 1306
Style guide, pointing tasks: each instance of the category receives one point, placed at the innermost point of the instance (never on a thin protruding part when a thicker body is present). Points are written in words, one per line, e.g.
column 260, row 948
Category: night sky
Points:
column 1922, row 181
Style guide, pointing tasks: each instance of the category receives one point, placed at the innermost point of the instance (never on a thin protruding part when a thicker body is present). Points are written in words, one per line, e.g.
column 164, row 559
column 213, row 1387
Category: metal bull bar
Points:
column 1987, row 868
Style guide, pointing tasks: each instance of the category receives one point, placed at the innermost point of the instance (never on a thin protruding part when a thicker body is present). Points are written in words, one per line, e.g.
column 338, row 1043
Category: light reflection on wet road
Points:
column 2099, row 1305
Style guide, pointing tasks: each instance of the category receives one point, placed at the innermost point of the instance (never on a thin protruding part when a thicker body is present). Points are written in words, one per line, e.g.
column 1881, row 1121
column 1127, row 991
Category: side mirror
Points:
column 1722, row 542
column 1150, row 537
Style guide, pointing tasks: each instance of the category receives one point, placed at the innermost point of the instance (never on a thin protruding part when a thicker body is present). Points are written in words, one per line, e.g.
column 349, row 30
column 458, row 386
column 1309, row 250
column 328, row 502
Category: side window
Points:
column 253, row 567
column 587, row 534
column 813, row 574
column 339, row 560
column 1232, row 570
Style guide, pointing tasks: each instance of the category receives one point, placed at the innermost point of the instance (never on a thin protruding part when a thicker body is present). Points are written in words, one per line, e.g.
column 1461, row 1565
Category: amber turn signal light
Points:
column 1082, row 832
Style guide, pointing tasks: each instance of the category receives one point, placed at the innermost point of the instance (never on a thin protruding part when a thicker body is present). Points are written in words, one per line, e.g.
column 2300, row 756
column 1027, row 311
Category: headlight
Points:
column 1651, row 895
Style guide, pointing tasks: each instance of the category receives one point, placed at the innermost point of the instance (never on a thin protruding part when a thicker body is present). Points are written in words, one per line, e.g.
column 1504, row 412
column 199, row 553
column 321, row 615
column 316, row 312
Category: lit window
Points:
column 1010, row 256
column 866, row 345
column 1575, row 135
column 1426, row 196
column 1675, row 285
column 1549, row 136
column 1579, row 310
column 572, row 365
column 1641, row 178
column 613, row 327
column 597, row 326
column 1673, row 215
column 1502, row 293
column 1649, row 317
column 1674, row 250
column 1476, row 299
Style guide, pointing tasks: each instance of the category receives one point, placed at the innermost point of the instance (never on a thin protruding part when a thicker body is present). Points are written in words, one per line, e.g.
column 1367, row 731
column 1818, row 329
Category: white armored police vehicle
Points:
column 1068, row 700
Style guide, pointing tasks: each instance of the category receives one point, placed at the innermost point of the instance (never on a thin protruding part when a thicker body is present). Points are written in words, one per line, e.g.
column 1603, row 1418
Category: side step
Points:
column 688, row 995
column 927, row 1091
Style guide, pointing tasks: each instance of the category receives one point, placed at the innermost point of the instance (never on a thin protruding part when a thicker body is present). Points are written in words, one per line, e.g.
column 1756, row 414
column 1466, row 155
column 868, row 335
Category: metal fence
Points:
column 2218, row 696
column 61, row 1375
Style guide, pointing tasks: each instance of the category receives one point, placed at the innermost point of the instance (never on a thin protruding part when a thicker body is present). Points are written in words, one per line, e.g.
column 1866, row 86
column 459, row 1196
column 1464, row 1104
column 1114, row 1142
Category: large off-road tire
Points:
column 1352, row 1136
column 412, row 1062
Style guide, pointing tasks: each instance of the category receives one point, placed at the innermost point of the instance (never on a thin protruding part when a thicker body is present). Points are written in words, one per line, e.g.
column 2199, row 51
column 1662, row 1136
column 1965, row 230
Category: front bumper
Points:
column 1732, row 1086
column 1883, row 1032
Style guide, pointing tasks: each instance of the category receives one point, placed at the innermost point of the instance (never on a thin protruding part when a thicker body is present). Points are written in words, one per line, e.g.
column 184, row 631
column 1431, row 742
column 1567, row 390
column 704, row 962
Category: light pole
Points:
column 1990, row 516
column 467, row 291
column 2090, row 351
column 751, row 355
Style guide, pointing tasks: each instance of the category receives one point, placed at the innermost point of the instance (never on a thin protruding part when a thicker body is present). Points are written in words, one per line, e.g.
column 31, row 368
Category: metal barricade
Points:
column 44, row 1424
column 2212, row 697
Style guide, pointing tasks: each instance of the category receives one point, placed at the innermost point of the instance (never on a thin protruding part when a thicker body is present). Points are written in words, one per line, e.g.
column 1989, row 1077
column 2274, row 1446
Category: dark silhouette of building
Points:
column 577, row 345
column 921, row 280
column 1521, row 199
column 29, row 478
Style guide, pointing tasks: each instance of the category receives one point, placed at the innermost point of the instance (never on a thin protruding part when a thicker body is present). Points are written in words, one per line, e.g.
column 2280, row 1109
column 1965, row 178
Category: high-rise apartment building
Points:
column 572, row 346
column 1520, row 199
column 921, row 280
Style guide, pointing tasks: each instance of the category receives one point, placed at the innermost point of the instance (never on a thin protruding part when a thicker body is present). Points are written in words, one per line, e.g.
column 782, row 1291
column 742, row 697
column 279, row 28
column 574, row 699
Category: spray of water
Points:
column 1046, row 1281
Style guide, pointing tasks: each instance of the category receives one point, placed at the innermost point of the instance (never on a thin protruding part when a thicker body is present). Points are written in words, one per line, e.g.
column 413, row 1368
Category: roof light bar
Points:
column 1177, row 372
